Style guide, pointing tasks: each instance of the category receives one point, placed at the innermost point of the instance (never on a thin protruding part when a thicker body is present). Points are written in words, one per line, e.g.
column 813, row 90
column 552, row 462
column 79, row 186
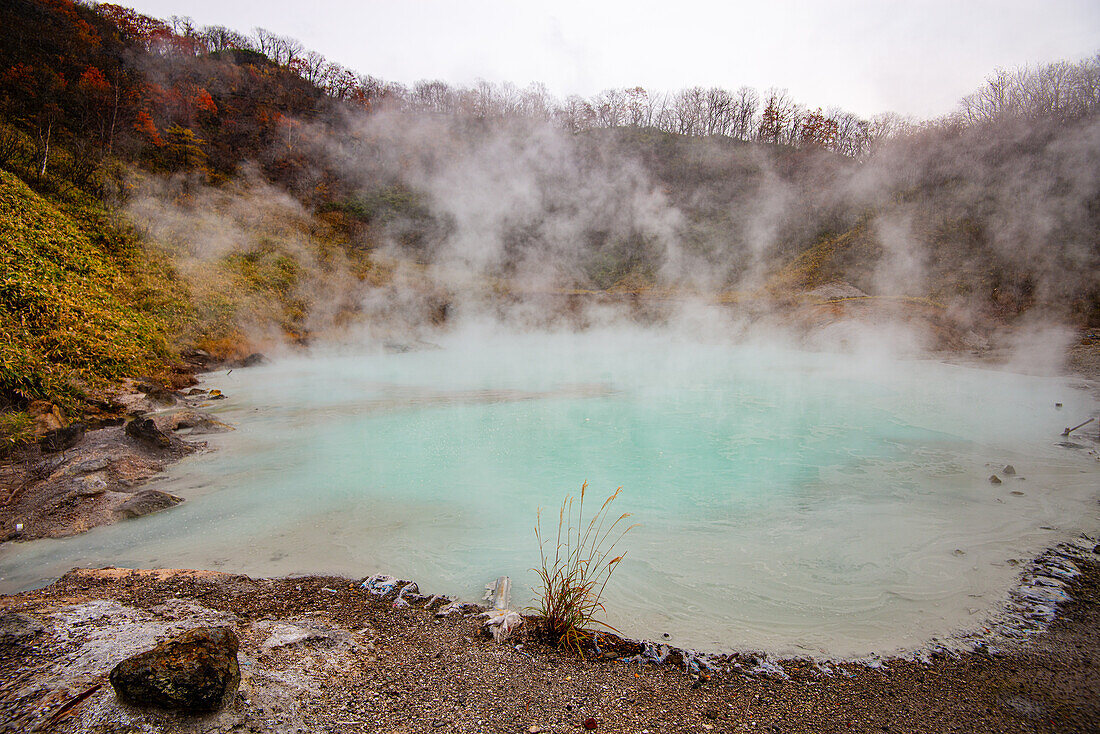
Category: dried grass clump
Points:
column 573, row 580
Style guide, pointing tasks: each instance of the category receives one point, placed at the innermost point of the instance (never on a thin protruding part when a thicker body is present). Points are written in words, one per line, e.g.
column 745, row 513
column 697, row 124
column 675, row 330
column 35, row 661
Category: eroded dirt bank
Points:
column 321, row 654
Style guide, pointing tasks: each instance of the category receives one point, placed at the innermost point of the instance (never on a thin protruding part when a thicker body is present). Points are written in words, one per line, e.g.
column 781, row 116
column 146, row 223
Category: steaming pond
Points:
column 789, row 500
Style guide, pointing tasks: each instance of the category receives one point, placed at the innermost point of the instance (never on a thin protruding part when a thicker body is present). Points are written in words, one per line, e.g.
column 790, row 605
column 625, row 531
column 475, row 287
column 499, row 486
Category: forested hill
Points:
column 229, row 189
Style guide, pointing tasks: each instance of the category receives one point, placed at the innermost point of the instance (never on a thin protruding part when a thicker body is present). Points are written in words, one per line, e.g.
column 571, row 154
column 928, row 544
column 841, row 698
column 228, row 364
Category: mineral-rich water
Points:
column 790, row 500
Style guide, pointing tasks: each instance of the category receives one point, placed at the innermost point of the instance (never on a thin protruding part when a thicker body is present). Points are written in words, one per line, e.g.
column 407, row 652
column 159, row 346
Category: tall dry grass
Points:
column 572, row 581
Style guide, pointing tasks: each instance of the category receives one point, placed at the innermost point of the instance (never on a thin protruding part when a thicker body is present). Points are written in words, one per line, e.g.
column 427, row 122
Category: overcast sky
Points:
column 868, row 56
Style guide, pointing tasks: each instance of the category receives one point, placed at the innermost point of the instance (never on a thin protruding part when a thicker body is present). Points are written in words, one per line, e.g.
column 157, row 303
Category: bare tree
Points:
column 433, row 96
column 745, row 113
column 219, row 38
column 719, row 112
column 690, row 111
column 639, row 107
column 280, row 49
column 537, row 102
column 610, row 108
column 310, row 66
column 1060, row 91
column 576, row 114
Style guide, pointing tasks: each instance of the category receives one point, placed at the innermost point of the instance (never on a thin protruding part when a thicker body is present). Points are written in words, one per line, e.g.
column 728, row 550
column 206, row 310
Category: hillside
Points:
column 168, row 188
column 81, row 302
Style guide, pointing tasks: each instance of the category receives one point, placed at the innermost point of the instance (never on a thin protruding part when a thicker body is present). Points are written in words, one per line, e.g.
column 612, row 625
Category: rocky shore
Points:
column 76, row 477
column 322, row 654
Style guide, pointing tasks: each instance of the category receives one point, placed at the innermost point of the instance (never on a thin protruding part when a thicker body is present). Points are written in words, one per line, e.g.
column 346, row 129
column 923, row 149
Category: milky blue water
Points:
column 789, row 500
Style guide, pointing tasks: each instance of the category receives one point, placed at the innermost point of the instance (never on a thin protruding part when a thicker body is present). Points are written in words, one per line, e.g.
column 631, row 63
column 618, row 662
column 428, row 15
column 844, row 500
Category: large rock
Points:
column 252, row 360
column 197, row 421
column 193, row 672
column 46, row 417
column 146, row 431
column 147, row 502
column 63, row 438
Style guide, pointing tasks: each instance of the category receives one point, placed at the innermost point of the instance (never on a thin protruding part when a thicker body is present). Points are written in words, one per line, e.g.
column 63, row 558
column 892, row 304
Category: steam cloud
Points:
column 508, row 217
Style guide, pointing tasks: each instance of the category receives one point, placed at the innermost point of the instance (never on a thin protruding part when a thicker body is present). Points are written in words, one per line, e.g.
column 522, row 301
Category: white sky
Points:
column 868, row 56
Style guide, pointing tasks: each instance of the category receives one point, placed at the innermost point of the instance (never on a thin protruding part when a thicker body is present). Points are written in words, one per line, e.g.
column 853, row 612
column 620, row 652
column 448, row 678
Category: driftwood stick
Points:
column 71, row 704
column 1071, row 430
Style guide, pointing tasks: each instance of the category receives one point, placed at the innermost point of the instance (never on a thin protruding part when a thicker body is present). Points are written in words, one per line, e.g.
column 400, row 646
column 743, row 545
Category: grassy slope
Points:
column 81, row 302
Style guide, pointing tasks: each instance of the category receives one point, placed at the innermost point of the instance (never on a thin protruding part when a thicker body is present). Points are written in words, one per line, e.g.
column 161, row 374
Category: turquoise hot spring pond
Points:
column 796, row 501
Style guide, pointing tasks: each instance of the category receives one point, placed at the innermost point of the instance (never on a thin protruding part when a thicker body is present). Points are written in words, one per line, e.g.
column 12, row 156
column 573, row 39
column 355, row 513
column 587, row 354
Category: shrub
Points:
column 573, row 581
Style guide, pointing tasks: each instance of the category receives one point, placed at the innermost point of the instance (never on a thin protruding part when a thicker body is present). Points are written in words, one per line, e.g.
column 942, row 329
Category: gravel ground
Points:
column 355, row 663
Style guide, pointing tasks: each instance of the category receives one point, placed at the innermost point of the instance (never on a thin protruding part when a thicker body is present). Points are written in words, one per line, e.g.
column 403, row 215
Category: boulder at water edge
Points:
column 193, row 672
column 147, row 502
column 145, row 430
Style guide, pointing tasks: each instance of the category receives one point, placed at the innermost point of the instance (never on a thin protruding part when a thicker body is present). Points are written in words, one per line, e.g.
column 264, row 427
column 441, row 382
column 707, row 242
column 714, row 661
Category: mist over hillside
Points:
column 279, row 196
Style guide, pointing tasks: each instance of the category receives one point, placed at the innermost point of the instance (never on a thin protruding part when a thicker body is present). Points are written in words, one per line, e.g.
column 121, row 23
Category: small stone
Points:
column 590, row 723
column 711, row 713
column 994, row 479
column 1009, row 470
column 196, row 671
column 92, row 485
column 147, row 502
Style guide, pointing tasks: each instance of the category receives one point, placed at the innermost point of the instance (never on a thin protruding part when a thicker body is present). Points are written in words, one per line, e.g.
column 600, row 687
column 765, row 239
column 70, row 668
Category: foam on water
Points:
column 795, row 501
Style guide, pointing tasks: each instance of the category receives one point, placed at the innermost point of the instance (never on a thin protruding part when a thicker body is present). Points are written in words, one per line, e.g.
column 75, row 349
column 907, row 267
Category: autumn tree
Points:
column 776, row 116
column 818, row 131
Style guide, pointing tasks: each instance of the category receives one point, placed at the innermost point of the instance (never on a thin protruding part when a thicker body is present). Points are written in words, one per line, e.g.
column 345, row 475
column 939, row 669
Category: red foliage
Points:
column 136, row 26
column 84, row 32
column 203, row 102
column 147, row 128
column 19, row 75
column 92, row 80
